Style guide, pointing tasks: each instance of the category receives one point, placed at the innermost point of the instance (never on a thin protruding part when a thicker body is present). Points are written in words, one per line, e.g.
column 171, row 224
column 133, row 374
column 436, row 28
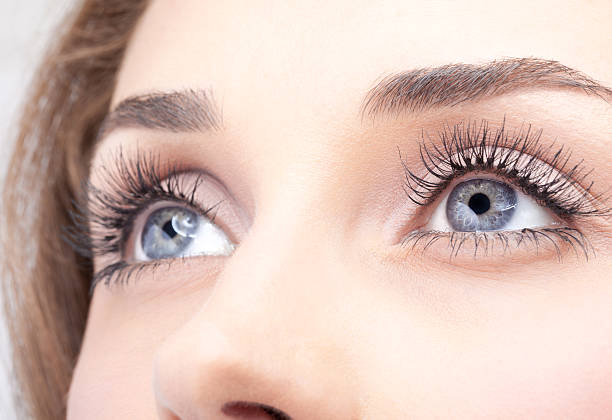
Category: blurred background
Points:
column 26, row 28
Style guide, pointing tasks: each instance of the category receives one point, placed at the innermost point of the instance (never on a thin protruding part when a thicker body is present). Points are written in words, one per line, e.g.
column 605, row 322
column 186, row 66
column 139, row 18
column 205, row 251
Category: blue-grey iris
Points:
column 168, row 232
column 480, row 205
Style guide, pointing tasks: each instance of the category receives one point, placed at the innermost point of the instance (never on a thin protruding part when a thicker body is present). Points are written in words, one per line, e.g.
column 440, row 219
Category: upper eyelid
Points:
column 545, row 170
column 122, row 189
column 145, row 204
column 513, row 154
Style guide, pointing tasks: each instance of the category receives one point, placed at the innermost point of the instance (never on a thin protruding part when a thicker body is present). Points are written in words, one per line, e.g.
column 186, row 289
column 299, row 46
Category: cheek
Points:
column 494, row 350
column 556, row 370
column 125, row 329
column 564, row 351
column 112, row 380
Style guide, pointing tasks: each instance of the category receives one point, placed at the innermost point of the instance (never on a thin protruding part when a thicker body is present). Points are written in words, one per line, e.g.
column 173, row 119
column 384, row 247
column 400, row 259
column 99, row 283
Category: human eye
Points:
column 484, row 204
column 172, row 231
column 487, row 192
column 140, row 214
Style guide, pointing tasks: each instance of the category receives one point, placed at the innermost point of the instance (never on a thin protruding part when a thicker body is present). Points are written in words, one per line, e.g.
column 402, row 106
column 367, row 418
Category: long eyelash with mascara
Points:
column 104, row 219
column 542, row 172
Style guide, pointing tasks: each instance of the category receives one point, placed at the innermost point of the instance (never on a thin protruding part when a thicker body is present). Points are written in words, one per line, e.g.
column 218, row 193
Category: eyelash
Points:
column 102, row 224
column 542, row 172
column 103, row 221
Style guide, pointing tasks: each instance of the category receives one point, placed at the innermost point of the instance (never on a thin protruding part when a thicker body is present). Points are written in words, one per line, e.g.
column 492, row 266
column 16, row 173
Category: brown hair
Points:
column 45, row 284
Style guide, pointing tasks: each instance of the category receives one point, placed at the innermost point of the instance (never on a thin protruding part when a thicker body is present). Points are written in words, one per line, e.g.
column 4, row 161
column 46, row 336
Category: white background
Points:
column 25, row 30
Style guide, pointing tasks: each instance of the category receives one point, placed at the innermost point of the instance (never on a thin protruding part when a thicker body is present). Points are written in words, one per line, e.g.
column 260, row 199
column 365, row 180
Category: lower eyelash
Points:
column 120, row 273
column 485, row 243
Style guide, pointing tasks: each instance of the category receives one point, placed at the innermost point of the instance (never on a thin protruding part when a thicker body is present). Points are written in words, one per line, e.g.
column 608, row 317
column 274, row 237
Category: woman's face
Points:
column 313, row 211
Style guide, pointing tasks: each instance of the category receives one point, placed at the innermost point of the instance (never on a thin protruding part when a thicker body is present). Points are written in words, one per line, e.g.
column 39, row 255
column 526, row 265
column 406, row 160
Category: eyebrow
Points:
column 179, row 111
column 453, row 84
column 193, row 110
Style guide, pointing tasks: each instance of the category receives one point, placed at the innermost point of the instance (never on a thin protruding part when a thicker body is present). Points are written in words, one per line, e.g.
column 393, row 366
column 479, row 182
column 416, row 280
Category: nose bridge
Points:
column 294, row 261
column 269, row 334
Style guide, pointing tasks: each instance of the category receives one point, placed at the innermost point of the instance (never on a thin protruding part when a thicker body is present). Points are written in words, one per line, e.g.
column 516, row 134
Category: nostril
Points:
column 252, row 411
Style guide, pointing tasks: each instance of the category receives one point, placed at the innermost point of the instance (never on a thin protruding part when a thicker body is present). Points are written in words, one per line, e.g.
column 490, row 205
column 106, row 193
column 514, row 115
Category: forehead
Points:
column 300, row 58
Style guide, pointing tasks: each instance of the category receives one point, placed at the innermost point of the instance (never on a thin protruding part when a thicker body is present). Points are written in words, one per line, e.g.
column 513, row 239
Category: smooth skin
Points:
column 320, row 312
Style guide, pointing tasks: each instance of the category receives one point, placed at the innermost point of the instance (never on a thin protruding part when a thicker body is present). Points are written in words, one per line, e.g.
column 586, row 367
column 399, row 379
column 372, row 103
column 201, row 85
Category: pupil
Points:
column 479, row 203
column 169, row 229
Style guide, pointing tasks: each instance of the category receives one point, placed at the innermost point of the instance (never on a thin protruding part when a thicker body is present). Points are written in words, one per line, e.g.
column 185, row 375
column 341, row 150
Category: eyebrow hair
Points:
column 194, row 110
column 452, row 84
column 178, row 111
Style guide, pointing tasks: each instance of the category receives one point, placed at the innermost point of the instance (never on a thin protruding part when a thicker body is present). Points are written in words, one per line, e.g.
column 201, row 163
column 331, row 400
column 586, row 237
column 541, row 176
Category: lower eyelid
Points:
column 483, row 251
column 123, row 274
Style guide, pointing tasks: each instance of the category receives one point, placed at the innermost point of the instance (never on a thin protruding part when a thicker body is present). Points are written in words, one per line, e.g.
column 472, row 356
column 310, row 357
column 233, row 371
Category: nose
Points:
column 266, row 344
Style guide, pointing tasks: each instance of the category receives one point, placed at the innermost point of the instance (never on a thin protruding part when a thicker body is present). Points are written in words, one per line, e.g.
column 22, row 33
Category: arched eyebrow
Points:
column 415, row 90
column 180, row 111
column 452, row 84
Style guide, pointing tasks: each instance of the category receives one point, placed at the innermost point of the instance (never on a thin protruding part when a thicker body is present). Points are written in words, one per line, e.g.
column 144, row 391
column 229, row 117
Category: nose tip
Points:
column 200, row 374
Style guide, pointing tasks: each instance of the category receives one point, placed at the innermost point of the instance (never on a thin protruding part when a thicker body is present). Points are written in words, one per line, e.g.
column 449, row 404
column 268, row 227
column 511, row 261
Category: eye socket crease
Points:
column 544, row 171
